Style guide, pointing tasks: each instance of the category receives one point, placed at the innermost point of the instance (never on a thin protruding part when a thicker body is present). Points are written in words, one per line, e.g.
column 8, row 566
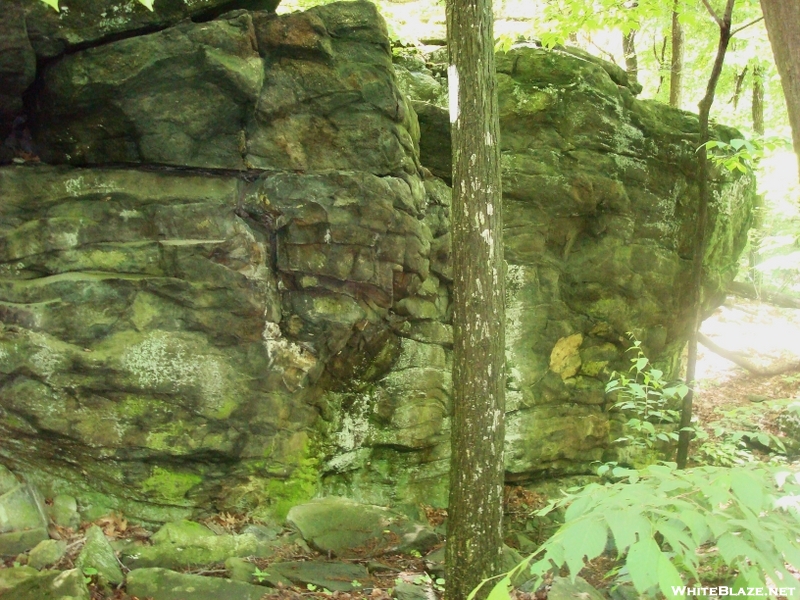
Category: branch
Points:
column 711, row 11
column 744, row 361
column 746, row 25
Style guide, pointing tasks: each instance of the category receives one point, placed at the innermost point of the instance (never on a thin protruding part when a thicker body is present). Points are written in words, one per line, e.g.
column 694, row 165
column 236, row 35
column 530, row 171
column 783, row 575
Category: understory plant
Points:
column 645, row 394
column 735, row 434
column 659, row 521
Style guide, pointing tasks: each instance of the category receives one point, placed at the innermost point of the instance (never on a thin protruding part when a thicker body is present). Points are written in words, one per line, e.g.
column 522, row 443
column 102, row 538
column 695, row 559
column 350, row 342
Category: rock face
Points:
column 600, row 202
column 31, row 31
column 232, row 290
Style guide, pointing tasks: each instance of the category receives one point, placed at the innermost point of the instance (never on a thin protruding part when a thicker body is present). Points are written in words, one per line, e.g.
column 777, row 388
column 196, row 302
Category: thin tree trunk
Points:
column 782, row 18
column 756, row 233
column 631, row 60
column 758, row 99
column 737, row 88
column 474, row 524
column 699, row 250
column 676, row 66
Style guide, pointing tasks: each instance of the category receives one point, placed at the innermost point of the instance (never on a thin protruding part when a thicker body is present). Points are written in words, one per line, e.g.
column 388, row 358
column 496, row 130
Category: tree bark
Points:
column 757, row 109
column 782, row 18
column 474, row 525
column 699, row 250
column 631, row 59
column 676, row 65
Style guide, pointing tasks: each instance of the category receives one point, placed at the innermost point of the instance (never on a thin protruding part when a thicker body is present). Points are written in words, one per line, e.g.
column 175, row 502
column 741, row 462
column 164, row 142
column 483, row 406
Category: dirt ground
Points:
column 769, row 335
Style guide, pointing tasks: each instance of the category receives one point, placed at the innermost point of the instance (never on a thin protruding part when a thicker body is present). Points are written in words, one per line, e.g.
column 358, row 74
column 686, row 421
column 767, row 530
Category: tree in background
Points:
column 782, row 18
column 724, row 22
column 676, row 60
column 474, row 528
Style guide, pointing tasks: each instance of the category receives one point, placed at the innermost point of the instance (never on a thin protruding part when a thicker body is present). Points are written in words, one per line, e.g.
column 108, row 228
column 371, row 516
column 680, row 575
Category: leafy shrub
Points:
column 735, row 433
column 649, row 397
column 659, row 518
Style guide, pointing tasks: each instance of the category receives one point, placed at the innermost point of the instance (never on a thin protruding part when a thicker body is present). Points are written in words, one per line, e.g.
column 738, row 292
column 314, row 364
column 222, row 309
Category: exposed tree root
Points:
column 748, row 290
column 745, row 361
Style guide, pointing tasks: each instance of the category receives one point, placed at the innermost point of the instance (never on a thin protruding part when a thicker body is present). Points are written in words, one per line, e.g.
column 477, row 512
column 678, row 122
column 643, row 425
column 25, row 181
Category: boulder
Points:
column 12, row 576
column 238, row 93
column 600, row 195
column 53, row 585
column 330, row 575
column 22, row 521
column 343, row 528
column 232, row 291
column 46, row 553
column 186, row 543
column 162, row 584
column 98, row 555
column 64, row 511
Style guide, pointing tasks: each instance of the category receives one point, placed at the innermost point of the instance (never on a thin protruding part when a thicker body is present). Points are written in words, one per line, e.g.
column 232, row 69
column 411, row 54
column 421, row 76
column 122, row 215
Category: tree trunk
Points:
column 629, row 47
column 737, row 88
column 699, row 249
column 676, row 66
column 474, row 525
column 782, row 18
column 631, row 60
column 758, row 99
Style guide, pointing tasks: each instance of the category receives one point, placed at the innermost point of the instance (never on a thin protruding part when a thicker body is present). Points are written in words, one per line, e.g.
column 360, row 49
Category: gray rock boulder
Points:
column 98, row 555
column 162, row 584
column 46, row 553
column 52, row 585
column 22, row 521
column 344, row 528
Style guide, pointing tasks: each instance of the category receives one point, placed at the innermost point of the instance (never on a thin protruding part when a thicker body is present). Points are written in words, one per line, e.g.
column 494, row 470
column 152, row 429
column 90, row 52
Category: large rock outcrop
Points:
column 32, row 31
column 230, row 287
column 600, row 204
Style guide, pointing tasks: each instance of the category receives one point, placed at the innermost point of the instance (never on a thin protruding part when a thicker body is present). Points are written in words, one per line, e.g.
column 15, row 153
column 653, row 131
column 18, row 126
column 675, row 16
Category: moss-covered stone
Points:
column 98, row 556
column 162, row 584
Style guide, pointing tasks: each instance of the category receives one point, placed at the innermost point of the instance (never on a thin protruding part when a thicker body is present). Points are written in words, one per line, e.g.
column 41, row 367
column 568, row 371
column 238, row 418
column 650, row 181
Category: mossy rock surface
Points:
column 185, row 543
column 162, row 584
column 231, row 290
column 52, row 585
column 344, row 528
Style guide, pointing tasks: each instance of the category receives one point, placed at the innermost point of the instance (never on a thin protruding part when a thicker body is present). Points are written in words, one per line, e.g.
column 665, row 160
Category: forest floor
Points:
column 768, row 336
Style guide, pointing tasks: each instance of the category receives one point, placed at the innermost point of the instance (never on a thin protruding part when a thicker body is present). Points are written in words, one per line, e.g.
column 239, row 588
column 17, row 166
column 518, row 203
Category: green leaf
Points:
column 501, row 590
column 584, row 538
column 747, row 490
column 643, row 561
column 790, row 551
column 668, row 577
column 147, row 3
column 52, row 3
column 675, row 536
column 577, row 508
column 626, row 526
column 731, row 547
column 697, row 525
